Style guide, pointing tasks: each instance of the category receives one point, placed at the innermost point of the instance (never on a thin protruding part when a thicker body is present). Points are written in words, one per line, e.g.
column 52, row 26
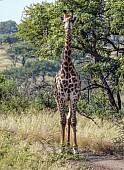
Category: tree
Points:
column 98, row 22
column 10, row 39
column 8, row 27
column 21, row 51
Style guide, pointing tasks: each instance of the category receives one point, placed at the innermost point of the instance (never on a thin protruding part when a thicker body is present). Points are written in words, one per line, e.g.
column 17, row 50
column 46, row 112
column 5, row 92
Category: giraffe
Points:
column 67, row 87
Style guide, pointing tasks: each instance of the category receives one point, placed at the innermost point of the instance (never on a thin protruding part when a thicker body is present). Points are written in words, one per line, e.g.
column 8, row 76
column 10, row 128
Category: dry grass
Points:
column 93, row 137
column 36, row 126
column 45, row 124
column 31, row 141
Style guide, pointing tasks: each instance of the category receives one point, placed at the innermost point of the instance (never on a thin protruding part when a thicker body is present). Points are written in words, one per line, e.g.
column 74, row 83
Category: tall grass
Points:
column 32, row 141
column 46, row 124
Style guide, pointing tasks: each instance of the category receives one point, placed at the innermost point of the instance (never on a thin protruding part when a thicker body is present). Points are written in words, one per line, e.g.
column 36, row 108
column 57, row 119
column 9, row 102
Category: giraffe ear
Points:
column 61, row 19
column 64, row 11
column 74, row 19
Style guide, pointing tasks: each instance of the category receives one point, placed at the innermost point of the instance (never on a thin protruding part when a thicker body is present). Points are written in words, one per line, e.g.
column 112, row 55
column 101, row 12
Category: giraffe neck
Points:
column 67, row 50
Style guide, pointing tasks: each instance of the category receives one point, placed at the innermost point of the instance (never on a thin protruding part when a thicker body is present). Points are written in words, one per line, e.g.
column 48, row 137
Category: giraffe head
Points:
column 68, row 19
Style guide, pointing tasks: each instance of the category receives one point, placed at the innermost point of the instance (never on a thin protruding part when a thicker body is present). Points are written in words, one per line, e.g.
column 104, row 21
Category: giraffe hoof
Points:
column 62, row 150
column 75, row 150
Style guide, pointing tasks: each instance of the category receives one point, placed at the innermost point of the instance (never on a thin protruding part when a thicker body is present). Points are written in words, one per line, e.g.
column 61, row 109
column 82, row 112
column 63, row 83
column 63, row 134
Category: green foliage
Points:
column 16, row 98
column 9, row 38
column 45, row 100
column 110, row 68
column 96, row 22
column 98, row 34
column 2, row 77
column 38, row 27
column 116, row 8
column 11, row 98
column 36, row 68
column 121, row 69
column 6, row 87
column 17, row 153
column 96, row 106
column 8, row 27
column 20, row 49
column 19, row 156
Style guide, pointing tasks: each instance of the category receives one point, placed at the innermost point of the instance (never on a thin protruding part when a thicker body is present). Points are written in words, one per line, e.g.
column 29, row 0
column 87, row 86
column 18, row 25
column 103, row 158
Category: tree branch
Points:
column 76, row 47
column 92, row 86
column 88, row 117
column 112, row 43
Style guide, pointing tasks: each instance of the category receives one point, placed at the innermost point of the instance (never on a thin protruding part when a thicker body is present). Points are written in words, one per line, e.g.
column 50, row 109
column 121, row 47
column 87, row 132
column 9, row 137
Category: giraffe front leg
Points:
column 73, row 124
column 69, row 125
column 68, row 134
column 69, row 150
column 63, row 124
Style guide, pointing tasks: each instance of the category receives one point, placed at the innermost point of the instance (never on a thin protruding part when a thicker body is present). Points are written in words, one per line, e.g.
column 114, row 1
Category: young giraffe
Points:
column 67, row 86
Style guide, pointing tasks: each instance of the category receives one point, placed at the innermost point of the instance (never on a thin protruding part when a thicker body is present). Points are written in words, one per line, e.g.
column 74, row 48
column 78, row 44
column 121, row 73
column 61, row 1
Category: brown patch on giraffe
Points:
column 70, row 68
column 69, row 59
column 65, row 63
column 66, row 47
column 65, row 57
column 62, row 71
column 61, row 85
column 69, row 91
column 66, row 52
column 71, row 64
column 74, row 80
column 73, row 73
column 70, row 86
column 65, row 82
column 66, row 68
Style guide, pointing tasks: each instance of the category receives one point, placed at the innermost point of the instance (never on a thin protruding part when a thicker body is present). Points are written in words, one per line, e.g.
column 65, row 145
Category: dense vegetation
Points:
column 97, row 44
column 98, row 33
column 35, row 48
column 8, row 27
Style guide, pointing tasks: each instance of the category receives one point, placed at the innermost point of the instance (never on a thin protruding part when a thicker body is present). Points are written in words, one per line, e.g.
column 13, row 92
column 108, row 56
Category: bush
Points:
column 10, row 96
column 97, row 105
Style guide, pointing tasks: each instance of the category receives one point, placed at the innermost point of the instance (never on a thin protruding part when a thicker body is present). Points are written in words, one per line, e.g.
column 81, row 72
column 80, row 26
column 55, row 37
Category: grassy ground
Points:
column 32, row 141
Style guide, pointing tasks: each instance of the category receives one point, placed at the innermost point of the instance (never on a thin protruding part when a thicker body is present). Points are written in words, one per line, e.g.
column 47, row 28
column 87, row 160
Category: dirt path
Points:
column 106, row 162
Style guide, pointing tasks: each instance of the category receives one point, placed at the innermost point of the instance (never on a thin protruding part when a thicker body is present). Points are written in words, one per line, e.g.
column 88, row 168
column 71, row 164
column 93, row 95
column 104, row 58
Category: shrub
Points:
column 10, row 96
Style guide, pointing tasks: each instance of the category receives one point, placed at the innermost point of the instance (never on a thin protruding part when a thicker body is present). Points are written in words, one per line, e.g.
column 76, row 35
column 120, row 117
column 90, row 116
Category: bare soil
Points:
column 105, row 162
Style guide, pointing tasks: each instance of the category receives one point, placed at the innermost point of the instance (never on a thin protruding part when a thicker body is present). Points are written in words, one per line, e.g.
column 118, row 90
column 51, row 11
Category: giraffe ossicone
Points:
column 68, row 87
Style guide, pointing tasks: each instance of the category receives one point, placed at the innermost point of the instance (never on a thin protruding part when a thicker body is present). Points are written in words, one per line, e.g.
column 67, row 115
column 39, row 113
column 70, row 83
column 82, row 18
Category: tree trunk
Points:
column 119, row 100
column 23, row 61
column 118, row 94
column 105, row 84
column 109, row 92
